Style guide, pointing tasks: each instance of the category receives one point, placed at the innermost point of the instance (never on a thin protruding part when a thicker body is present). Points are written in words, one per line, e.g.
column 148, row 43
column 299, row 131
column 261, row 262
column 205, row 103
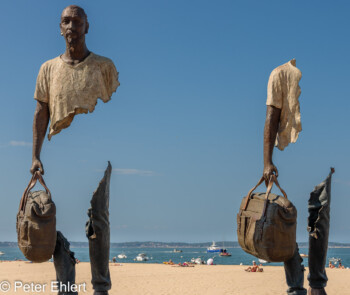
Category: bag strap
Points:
column 36, row 176
column 273, row 179
column 250, row 193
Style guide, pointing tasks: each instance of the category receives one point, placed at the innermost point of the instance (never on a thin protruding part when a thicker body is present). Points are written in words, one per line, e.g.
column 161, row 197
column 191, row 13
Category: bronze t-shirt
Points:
column 283, row 92
column 74, row 89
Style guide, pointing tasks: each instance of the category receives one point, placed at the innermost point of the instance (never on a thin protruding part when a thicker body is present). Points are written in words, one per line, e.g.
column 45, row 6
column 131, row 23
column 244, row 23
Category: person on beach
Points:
column 254, row 268
column 68, row 85
column 282, row 126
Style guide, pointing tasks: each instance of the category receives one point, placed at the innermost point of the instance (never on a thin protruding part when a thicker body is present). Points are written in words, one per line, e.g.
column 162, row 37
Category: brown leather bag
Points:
column 266, row 224
column 36, row 222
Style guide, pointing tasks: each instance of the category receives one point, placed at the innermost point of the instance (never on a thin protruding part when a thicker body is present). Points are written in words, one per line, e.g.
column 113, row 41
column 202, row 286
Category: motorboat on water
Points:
column 224, row 253
column 122, row 256
column 177, row 251
column 2, row 253
column 214, row 248
column 262, row 261
column 141, row 257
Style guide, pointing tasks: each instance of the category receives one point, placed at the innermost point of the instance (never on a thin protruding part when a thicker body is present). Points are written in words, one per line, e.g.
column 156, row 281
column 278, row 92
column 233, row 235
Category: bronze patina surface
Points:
column 66, row 86
column 71, row 83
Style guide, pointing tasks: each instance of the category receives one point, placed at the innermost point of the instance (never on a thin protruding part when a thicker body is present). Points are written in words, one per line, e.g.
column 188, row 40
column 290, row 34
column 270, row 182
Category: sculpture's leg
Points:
column 318, row 227
column 98, row 233
column 294, row 271
column 64, row 262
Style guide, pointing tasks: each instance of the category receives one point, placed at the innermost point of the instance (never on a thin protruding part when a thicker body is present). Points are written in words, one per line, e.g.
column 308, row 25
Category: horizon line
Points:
column 300, row 242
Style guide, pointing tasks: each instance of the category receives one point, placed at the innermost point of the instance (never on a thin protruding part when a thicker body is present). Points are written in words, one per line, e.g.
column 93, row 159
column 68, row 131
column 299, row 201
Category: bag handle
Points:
column 36, row 176
column 273, row 179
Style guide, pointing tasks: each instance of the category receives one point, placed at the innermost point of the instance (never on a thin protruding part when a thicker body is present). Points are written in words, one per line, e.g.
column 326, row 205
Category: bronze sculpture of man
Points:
column 68, row 85
column 282, row 126
column 71, row 83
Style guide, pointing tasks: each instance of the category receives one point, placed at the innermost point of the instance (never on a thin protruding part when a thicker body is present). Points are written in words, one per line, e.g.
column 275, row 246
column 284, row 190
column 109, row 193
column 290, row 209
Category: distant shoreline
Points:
column 172, row 245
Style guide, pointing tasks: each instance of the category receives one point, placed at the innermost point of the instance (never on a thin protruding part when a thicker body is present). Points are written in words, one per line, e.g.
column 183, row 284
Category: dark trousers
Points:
column 98, row 233
column 318, row 227
column 64, row 262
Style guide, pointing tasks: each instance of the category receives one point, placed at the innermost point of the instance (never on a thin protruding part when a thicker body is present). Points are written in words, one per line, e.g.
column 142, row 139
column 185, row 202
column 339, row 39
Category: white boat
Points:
column 2, row 253
column 213, row 248
column 122, row 256
column 262, row 261
column 141, row 257
column 196, row 260
column 177, row 251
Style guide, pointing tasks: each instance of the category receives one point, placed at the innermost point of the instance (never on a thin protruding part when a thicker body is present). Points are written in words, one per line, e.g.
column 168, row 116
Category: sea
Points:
column 160, row 255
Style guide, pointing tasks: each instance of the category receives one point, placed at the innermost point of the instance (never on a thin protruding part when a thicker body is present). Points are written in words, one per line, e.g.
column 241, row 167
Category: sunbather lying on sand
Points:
column 254, row 268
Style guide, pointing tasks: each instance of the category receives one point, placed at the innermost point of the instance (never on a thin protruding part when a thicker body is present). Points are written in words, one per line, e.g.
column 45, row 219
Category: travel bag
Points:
column 266, row 224
column 36, row 222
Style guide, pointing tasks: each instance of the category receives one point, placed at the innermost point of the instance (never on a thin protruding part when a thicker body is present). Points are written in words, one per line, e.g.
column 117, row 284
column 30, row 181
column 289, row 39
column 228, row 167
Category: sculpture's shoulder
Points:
column 280, row 69
column 286, row 69
column 101, row 60
column 108, row 71
column 47, row 65
column 285, row 72
column 277, row 73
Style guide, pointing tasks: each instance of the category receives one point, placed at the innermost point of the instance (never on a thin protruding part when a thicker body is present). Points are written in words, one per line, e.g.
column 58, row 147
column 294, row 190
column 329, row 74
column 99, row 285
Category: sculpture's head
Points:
column 74, row 24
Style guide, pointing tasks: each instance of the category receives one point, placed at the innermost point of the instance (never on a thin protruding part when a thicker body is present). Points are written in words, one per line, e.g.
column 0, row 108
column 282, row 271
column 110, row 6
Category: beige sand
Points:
column 134, row 279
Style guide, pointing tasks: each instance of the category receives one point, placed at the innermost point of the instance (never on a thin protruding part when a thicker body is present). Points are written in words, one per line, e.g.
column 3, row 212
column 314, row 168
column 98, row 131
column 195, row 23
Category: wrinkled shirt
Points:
column 74, row 89
column 283, row 92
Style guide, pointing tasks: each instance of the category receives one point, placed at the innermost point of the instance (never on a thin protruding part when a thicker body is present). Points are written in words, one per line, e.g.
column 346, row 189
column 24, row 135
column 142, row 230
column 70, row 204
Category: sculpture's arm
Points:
column 40, row 123
column 270, row 132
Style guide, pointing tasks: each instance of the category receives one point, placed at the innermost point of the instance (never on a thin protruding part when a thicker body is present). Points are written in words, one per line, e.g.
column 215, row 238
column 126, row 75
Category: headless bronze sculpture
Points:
column 284, row 81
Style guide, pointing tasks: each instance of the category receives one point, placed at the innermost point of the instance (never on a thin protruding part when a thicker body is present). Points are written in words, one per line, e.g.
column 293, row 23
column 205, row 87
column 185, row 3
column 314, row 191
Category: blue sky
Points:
column 184, row 131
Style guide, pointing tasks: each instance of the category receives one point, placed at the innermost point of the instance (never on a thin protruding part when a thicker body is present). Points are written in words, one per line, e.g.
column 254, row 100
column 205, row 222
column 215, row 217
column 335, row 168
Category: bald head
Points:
column 77, row 9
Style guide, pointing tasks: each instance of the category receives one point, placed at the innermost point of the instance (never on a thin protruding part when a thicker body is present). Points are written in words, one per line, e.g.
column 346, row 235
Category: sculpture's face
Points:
column 73, row 25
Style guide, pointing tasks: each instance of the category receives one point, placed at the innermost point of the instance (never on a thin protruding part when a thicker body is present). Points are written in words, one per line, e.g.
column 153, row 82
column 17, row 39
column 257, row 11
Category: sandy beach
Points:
column 134, row 279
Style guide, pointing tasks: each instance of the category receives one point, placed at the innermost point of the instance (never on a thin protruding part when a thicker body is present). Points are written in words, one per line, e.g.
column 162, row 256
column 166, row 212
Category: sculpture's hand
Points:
column 37, row 165
column 269, row 169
